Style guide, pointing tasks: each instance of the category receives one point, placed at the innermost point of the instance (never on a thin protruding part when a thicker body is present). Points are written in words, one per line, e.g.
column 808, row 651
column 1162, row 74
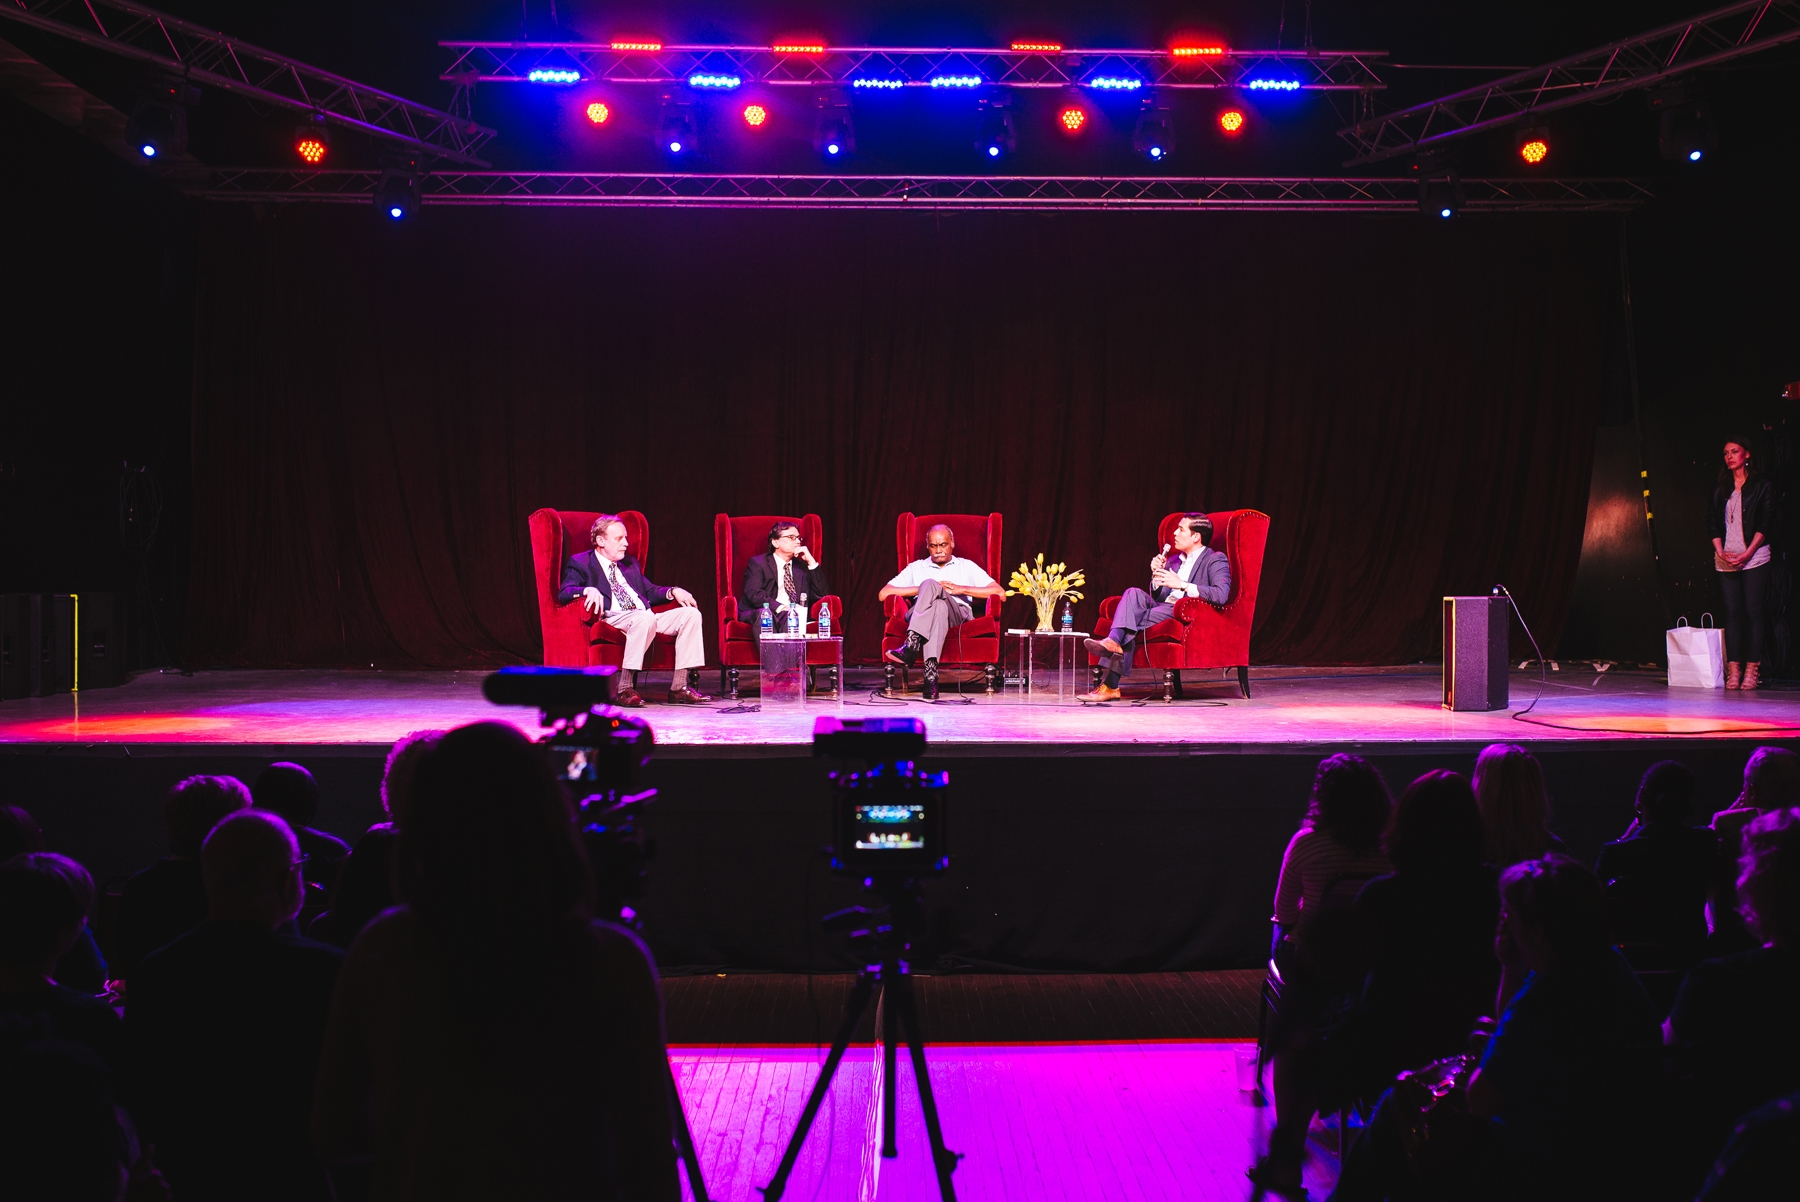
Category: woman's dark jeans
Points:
column 1746, row 596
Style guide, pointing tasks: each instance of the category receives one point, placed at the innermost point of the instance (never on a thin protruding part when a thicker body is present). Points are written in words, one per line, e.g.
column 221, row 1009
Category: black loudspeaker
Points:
column 1475, row 647
column 100, row 635
column 37, row 644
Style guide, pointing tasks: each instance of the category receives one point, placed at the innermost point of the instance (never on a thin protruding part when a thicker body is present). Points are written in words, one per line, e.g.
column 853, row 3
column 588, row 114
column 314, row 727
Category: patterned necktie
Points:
column 787, row 582
column 1174, row 564
column 621, row 598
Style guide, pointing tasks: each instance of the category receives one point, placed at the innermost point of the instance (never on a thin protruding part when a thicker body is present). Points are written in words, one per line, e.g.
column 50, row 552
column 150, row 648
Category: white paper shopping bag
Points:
column 1696, row 655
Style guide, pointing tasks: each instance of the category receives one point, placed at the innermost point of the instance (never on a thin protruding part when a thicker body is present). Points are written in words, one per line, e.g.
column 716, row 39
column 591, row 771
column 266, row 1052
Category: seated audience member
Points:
column 1559, row 1106
column 1195, row 570
column 365, row 885
column 1758, row 1163
column 1425, row 936
column 290, row 791
column 1657, row 876
column 488, row 1038
column 82, row 968
column 44, row 904
column 224, row 1027
column 1339, row 837
column 1771, row 782
column 1733, row 1040
column 1515, row 809
column 63, row 1137
column 168, row 898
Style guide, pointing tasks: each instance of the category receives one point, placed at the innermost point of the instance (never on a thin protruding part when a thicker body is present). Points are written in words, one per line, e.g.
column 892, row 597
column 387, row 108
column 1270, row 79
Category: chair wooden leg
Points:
column 992, row 673
column 836, row 684
column 1168, row 684
column 887, row 679
column 1244, row 678
column 731, row 678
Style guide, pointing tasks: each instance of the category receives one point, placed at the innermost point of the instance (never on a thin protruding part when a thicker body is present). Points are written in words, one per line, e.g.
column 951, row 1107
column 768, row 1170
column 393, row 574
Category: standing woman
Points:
column 1742, row 507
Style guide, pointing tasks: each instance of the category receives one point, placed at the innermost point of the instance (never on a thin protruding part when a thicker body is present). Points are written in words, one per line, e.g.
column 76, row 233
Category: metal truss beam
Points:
column 842, row 66
column 220, row 61
column 1637, row 62
column 1214, row 194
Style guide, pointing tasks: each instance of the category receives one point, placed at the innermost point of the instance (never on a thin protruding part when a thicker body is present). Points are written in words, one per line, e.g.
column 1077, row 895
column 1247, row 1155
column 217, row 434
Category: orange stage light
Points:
column 755, row 115
column 798, row 47
column 642, row 44
column 1037, row 47
column 598, row 113
column 1231, row 121
column 1072, row 118
column 1196, row 51
column 1534, row 151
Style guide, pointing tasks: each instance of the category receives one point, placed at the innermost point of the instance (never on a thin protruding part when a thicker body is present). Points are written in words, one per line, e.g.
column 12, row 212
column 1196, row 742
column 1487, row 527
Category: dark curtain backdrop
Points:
column 377, row 409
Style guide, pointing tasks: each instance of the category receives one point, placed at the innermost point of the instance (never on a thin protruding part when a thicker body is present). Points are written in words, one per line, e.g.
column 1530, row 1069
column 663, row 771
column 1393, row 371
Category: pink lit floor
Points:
column 1290, row 706
column 1035, row 1121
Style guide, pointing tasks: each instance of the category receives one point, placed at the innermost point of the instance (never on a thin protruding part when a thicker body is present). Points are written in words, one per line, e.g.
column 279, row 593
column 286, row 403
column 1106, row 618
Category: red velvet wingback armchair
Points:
column 1202, row 635
column 976, row 641
column 735, row 542
column 574, row 638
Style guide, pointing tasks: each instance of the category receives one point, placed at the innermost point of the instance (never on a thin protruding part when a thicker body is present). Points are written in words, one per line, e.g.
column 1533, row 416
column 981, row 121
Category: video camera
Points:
column 599, row 753
column 891, row 818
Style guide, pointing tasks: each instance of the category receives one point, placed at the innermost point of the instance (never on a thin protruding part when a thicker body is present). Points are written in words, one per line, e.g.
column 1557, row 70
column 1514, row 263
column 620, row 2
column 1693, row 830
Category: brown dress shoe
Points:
column 628, row 699
column 1101, row 693
column 687, row 695
column 1102, row 647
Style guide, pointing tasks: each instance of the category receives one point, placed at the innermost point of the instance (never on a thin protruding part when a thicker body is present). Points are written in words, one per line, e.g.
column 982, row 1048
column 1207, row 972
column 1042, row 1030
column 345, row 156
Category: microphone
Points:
column 1165, row 548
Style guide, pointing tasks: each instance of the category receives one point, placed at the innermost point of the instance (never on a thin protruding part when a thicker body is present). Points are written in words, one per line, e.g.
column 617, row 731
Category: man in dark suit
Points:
column 1195, row 570
column 612, row 586
column 776, row 580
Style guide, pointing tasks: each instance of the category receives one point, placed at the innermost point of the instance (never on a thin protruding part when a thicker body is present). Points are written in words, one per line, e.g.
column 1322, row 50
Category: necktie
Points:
column 1174, row 564
column 621, row 598
column 787, row 582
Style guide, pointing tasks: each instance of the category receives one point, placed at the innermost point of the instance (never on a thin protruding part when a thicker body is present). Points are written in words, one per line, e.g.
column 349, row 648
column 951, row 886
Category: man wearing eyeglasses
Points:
column 941, row 586
column 779, row 579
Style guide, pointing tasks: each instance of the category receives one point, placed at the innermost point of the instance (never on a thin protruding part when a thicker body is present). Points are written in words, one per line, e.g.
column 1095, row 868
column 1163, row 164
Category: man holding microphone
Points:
column 1194, row 570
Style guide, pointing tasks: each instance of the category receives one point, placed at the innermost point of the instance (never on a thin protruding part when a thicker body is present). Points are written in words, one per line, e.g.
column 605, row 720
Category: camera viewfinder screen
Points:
column 572, row 763
column 890, row 828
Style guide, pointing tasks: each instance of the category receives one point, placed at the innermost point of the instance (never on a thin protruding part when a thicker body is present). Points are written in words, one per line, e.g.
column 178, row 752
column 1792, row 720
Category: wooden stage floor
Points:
column 1291, row 708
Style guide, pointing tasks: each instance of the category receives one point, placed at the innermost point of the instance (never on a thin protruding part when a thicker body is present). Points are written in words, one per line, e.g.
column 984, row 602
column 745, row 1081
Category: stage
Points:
column 1135, row 836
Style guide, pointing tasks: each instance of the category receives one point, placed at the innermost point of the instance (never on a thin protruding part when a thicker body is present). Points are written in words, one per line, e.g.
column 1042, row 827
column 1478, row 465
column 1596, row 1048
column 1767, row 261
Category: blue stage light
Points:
column 1156, row 152
column 1446, row 212
column 883, row 85
column 993, row 152
column 1115, row 83
column 149, row 149
column 717, row 83
column 1274, row 85
column 674, row 147
column 956, row 81
column 396, row 212
column 1693, row 156
column 553, row 75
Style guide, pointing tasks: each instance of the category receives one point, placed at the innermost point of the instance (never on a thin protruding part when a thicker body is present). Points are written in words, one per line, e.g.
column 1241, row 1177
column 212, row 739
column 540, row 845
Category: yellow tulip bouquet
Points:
column 1045, row 586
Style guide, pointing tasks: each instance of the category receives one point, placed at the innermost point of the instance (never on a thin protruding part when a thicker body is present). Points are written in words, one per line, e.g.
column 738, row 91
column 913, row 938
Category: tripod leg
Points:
column 684, row 1140
column 941, row 1157
column 890, row 1047
column 853, row 1012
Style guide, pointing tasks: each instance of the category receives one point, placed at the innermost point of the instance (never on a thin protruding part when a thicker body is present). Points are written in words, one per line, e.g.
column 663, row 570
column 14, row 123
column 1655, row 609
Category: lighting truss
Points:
column 1638, row 62
column 216, row 60
column 1199, row 194
column 842, row 66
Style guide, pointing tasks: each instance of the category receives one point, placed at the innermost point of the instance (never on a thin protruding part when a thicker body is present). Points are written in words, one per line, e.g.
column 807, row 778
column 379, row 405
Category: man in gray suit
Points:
column 1195, row 570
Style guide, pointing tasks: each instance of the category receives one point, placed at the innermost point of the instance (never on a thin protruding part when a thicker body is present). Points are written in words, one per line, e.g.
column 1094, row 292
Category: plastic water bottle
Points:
column 766, row 623
column 824, row 621
column 793, row 621
column 1068, row 617
column 802, row 618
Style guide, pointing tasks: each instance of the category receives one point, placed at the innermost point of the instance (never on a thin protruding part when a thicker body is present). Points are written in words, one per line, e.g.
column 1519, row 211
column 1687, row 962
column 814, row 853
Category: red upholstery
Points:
column 976, row 641
column 573, row 638
column 735, row 542
column 1202, row 635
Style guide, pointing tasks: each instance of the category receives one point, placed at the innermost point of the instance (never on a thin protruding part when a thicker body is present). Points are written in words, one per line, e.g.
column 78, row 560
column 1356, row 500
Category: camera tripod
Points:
column 891, row 976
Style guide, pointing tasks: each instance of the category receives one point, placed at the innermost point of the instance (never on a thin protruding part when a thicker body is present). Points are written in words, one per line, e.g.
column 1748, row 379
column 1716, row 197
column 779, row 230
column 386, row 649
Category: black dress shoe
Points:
column 931, row 670
column 628, row 699
column 687, row 695
column 905, row 655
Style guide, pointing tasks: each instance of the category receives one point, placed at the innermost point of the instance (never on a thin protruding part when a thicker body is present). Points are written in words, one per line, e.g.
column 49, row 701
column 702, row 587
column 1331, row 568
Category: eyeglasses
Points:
column 787, row 538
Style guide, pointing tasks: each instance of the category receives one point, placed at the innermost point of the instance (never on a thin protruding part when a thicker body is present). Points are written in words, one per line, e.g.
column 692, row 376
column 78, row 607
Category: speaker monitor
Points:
column 37, row 644
column 101, row 619
column 1475, row 648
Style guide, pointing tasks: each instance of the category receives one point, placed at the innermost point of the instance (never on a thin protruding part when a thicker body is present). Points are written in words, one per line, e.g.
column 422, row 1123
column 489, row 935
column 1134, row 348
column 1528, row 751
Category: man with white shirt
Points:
column 612, row 586
column 1195, row 570
column 940, row 585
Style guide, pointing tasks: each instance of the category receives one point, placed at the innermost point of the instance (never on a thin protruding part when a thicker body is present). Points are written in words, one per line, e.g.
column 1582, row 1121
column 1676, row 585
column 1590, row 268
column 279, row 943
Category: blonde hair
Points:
column 1515, row 810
